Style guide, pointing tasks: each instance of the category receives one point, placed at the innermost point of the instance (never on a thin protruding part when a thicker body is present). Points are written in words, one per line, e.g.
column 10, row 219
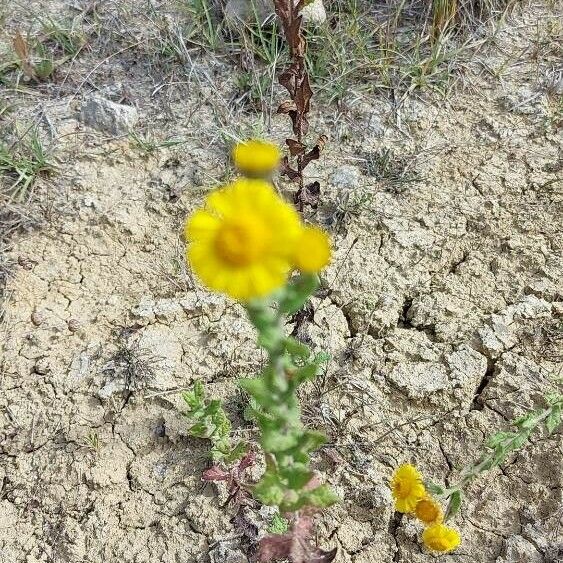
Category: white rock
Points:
column 314, row 13
column 105, row 115
column 112, row 387
column 466, row 365
column 346, row 177
column 261, row 11
column 419, row 379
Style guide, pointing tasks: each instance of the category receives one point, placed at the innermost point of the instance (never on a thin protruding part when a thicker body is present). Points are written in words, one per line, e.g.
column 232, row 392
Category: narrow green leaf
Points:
column 434, row 488
column 454, row 504
column 296, row 349
column 496, row 439
column 554, row 419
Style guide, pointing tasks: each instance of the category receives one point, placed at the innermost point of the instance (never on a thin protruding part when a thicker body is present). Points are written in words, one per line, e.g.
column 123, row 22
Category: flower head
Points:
column 441, row 538
column 242, row 240
column 313, row 251
column 407, row 488
column 428, row 511
column 256, row 158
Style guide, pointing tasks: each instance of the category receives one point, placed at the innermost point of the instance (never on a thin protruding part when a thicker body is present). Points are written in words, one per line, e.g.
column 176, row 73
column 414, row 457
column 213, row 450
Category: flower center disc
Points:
column 241, row 241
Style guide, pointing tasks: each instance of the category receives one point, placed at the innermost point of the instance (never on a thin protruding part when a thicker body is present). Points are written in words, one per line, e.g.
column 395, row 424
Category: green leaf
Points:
column 526, row 422
column 296, row 348
column 496, row 439
column 518, row 441
column 194, row 398
column 310, row 440
column 454, row 504
column 297, row 476
column 269, row 489
column 236, row 453
column 306, row 373
column 278, row 525
column 275, row 441
column 554, row 419
column 199, row 430
column 297, row 292
column 434, row 488
column 256, row 387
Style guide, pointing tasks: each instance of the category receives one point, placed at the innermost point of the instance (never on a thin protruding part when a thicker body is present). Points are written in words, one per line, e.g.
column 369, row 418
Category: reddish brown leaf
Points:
column 247, row 461
column 287, row 107
column 296, row 545
column 303, row 95
column 215, row 473
column 288, row 79
column 286, row 170
column 308, row 195
column 295, row 147
column 315, row 152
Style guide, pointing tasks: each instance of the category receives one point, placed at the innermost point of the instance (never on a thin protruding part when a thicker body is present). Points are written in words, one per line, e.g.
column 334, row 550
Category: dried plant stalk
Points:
column 295, row 79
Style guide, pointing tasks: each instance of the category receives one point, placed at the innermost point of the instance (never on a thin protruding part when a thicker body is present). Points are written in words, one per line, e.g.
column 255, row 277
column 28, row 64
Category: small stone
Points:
column 419, row 379
column 42, row 366
column 224, row 552
column 73, row 325
column 37, row 318
column 346, row 177
column 25, row 262
column 113, row 387
column 108, row 116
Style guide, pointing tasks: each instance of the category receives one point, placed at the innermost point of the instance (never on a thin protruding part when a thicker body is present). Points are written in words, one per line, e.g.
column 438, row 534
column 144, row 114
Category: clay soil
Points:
column 441, row 311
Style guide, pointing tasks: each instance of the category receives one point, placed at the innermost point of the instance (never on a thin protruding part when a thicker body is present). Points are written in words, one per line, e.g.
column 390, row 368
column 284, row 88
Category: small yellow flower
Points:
column 441, row 538
column 241, row 242
column 312, row 252
column 256, row 158
column 429, row 511
column 407, row 488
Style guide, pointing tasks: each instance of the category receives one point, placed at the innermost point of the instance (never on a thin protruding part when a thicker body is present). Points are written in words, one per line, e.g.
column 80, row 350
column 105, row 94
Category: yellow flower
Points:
column 441, row 538
column 256, row 158
column 313, row 251
column 242, row 240
column 429, row 511
column 407, row 488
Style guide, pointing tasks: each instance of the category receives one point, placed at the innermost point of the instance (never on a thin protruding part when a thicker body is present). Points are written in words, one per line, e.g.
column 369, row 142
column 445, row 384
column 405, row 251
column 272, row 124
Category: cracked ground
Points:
column 441, row 311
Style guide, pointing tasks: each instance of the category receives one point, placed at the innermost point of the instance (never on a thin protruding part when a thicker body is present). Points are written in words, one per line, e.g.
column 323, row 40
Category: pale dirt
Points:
column 440, row 290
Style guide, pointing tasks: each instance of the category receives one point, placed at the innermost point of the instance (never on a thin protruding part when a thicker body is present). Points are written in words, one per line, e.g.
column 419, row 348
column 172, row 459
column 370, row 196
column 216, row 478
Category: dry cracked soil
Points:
column 441, row 311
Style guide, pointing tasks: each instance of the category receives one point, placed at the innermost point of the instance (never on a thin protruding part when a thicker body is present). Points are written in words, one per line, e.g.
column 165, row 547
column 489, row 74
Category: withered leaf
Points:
column 287, row 107
column 303, row 95
column 20, row 46
column 295, row 147
column 296, row 545
column 308, row 195
column 22, row 51
column 315, row 152
column 215, row 473
column 288, row 79
column 286, row 170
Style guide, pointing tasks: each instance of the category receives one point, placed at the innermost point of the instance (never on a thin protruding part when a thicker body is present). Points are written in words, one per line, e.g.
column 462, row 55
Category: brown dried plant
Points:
column 295, row 79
